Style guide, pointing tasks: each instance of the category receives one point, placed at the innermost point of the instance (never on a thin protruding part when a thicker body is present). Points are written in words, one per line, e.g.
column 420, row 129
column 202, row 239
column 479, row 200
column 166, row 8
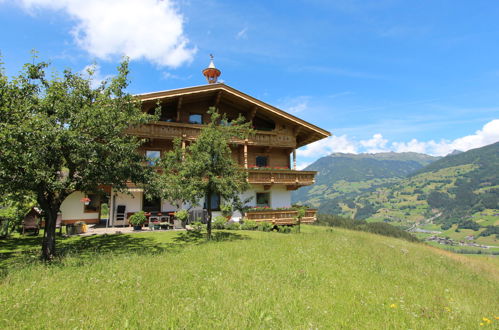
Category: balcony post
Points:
column 246, row 153
column 294, row 159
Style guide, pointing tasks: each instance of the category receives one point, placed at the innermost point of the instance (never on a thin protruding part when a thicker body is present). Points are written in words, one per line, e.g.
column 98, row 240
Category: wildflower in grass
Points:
column 393, row 306
column 447, row 309
column 481, row 324
column 486, row 320
column 496, row 317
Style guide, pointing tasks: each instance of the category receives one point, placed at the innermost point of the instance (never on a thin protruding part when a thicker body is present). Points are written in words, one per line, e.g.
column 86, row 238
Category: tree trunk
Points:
column 208, row 207
column 48, row 243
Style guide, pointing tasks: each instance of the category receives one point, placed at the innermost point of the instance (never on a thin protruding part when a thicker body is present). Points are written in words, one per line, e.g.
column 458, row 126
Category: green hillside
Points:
column 457, row 196
column 322, row 278
column 342, row 177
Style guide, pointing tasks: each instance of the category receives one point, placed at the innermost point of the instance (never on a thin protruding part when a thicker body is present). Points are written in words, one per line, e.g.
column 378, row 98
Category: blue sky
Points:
column 380, row 75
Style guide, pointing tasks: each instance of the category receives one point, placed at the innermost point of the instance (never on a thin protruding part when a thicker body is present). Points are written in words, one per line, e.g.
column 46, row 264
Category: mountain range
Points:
column 460, row 190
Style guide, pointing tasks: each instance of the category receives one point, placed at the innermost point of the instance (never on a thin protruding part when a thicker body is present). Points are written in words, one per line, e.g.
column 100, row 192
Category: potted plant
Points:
column 180, row 218
column 137, row 220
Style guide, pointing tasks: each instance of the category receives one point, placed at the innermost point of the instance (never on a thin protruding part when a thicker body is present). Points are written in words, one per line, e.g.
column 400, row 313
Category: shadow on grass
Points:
column 194, row 237
column 26, row 250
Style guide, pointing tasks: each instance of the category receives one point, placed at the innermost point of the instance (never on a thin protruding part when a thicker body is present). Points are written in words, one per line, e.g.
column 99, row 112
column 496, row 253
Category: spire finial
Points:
column 211, row 72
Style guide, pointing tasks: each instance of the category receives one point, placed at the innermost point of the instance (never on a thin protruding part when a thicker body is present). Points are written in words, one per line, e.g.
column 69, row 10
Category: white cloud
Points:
column 140, row 29
column 328, row 146
column 487, row 135
column 243, row 34
column 300, row 166
column 376, row 144
column 295, row 104
column 96, row 77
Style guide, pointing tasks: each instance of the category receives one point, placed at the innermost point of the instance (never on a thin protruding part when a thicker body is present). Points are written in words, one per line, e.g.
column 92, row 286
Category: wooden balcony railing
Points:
column 283, row 217
column 166, row 130
column 288, row 177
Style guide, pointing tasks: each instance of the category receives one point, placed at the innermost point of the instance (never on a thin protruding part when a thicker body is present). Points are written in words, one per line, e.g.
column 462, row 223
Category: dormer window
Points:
column 195, row 118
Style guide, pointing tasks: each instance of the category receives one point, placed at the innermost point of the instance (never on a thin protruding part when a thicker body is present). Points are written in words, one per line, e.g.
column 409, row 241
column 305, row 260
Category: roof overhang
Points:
column 312, row 133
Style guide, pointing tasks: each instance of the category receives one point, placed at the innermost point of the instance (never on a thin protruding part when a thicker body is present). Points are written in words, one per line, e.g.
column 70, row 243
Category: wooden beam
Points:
column 179, row 108
column 218, row 96
column 252, row 113
column 294, row 159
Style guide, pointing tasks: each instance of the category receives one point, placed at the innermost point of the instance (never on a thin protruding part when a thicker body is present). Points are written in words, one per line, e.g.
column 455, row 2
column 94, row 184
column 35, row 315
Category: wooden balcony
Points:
column 165, row 130
column 282, row 217
column 291, row 178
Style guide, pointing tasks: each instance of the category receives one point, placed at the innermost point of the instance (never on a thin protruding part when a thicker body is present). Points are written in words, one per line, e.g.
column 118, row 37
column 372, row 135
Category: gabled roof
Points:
column 313, row 132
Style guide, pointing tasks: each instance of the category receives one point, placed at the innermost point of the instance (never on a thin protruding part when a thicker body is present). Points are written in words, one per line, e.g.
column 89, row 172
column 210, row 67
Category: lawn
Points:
column 322, row 278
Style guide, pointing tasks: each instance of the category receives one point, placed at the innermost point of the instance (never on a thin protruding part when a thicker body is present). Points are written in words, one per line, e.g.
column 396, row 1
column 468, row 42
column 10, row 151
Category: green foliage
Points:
column 226, row 210
column 63, row 135
column 205, row 167
column 232, row 226
column 490, row 230
column 265, row 226
column 469, row 224
column 182, row 215
column 249, row 225
column 219, row 222
column 198, row 226
column 284, row 229
column 138, row 219
column 379, row 228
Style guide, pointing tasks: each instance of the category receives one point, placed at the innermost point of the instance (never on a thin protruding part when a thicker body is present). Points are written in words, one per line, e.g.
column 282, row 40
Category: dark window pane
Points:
column 151, row 205
column 261, row 161
column 262, row 199
column 215, row 203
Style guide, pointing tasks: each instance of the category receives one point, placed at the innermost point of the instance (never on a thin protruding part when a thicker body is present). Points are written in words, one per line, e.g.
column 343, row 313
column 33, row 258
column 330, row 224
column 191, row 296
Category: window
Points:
column 93, row 205
column 195, row 118
column 215, row 202
column 261, row 161
column 153, row 156
column 262, row 199
column 168, row 113
column 263, row 124
column 151, row 205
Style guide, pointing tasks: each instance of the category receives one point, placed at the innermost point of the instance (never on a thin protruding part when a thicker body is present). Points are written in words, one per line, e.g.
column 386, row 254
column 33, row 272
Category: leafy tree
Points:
column 60, row 135
column 205, row 168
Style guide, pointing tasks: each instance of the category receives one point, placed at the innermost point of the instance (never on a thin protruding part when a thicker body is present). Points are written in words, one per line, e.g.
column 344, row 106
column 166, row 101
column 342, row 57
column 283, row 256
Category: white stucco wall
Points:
column 133, row 202
column 280, row 197
column 72, row 208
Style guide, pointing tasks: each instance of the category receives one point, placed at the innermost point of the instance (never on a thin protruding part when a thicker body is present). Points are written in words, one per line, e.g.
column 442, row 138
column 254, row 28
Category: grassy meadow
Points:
column 321, row 278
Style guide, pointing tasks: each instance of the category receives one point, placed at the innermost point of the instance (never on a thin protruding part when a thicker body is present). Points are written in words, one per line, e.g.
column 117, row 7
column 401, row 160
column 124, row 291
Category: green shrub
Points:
column 138, row 219
column 380, row 228
column 265, row 226
column 182, row 215
column 198, row 226
column 219, row 222
column 284, row 229
column 249, row 225
column 232, row 225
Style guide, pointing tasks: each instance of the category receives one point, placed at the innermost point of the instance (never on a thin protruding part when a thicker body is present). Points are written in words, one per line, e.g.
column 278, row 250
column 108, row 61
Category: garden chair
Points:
column 120, row 214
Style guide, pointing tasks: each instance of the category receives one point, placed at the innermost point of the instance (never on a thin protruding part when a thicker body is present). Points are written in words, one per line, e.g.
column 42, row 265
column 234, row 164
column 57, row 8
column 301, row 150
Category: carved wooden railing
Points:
column 281, row 217
column 287, row 177
column 165, row 130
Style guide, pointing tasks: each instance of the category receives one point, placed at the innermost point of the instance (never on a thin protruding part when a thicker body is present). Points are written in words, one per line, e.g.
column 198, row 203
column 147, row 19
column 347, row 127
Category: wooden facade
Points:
column 269, row 154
